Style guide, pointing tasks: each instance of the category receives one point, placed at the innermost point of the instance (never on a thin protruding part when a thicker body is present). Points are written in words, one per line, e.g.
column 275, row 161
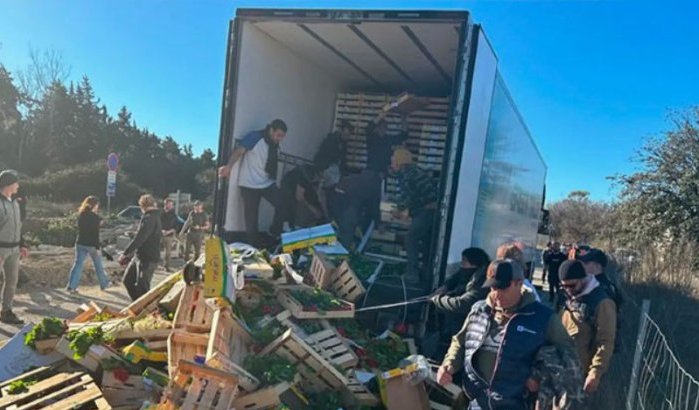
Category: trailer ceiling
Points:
column 381, row 56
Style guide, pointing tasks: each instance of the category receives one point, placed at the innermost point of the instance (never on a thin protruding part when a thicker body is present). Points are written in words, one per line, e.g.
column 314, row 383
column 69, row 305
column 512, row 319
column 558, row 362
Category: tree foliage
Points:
column 578, row 219
column 50, row 130
column 661, row 199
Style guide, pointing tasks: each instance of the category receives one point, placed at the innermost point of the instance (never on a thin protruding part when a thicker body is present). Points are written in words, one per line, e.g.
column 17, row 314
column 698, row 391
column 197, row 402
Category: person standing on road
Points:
column 168, row 220
column 88, row 244
column 499, row 341
column 195, row 227
column 589, row 316
column 11, row 244
column 145, row 246
column 595, row 262
column 417, row 199
column 554, row 260
column 544, row 258
column 257, row 178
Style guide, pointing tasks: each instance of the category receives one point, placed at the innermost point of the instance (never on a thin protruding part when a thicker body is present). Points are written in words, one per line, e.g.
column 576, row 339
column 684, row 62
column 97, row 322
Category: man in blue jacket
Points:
column 499, row 341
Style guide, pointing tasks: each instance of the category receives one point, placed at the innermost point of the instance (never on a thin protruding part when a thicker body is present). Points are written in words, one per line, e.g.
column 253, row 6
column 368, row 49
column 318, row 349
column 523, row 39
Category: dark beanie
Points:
column 571, row 269
column 7, row 178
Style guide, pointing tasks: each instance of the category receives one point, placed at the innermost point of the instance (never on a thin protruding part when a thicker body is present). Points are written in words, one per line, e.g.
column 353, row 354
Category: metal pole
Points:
column 109, row 206
column 642, row 330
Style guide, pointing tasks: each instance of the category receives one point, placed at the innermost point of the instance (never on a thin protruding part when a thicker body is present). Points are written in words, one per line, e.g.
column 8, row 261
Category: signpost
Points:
column 112, row 167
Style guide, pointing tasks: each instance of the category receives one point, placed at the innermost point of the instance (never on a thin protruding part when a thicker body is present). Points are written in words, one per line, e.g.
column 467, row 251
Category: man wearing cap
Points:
column 196, row 225
column 417, row 198
column 595, row 262
column 499, row 340
column 589, row 316
column 11, row 244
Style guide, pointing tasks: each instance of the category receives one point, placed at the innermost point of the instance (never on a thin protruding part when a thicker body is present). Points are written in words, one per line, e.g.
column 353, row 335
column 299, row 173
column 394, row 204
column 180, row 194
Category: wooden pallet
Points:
column 193, row 313
column 149, row 301
column 199, row 387
column 321, row 270
column 345, row 284
column 127, row 394
column 329, row 344
column 183, row 345
column 267, row 398
column 58, row 392
column 228, row 337
column 297, row 309
column 317, row 373
column 246, row 380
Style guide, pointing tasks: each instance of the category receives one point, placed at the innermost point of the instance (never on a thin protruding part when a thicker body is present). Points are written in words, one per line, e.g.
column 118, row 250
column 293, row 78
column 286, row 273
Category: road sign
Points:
column 111, row 183
column 113, row 162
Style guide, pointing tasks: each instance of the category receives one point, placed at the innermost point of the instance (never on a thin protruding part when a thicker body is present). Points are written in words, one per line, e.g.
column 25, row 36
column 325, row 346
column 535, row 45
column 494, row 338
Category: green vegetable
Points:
column 21, row 386
column 362, row 267
column 269, row 369
column 318, row 300
column 80, row 341
column 102, row 317
column 326, row 400
column 48, row 328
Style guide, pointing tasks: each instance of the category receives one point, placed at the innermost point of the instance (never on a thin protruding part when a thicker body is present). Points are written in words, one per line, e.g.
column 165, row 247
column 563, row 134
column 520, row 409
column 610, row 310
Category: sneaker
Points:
column 73, row 291
column 10, row 318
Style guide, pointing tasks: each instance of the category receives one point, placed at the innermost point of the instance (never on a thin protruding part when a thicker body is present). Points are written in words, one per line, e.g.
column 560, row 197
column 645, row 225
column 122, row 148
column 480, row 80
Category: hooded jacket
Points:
column 460, row 301
column 146, row 243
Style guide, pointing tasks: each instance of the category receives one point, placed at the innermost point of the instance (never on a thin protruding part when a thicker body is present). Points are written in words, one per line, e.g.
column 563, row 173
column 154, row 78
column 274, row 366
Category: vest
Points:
column 525, row 333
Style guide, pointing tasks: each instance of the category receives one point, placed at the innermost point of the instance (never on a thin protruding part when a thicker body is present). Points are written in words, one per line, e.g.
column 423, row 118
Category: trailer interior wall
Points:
column 293, row 69
column 512, row 180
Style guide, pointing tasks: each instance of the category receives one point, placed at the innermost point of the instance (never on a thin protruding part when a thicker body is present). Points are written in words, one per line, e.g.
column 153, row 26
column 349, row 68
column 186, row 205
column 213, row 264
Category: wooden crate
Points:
column 149, row 301
column 193, row 313
column 199, row 387
column 345, row 283
column 58, row 392
column 228, row 337
column 330, row 345
column 92, row 359
column 359, row 395
column 321, row 270
column 297, row 310
column 317, row 373
column 267, row 398
column 245, row 380
column 127, row 394
column 39, row 373
column 89, row 311
column 184, row 346
column 46, row 346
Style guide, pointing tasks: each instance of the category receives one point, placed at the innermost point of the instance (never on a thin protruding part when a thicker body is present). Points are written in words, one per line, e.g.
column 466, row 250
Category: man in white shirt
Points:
column 258, row 151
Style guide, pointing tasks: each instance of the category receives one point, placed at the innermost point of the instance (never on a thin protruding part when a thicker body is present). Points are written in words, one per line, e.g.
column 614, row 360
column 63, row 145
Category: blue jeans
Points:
column 81, row 253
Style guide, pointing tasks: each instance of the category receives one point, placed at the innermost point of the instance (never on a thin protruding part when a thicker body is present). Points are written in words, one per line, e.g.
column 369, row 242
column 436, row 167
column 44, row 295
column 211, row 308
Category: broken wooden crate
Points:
column 58, row 392
column 228, row 337
column 199, row 387
column 149, row 301
column 124, row 394
column 183, row 345
column 317, row 373
column 299, row 311
column 340, row 280
column 88, row 312
column 266, row 398
column 330, row 345
column 245, row 380
column 360, row 396
column 93, row 357
column 193, row 313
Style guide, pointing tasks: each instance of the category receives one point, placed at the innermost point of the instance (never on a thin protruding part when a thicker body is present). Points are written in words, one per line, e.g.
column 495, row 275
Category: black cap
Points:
column 502, row 272
column 594, row 255
column 7, row 178
column 571, row 269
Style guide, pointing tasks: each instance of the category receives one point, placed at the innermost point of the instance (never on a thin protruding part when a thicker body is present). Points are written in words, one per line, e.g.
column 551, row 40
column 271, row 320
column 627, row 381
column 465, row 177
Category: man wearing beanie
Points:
column 11, row 244
column 589, row 316
column 417, row 198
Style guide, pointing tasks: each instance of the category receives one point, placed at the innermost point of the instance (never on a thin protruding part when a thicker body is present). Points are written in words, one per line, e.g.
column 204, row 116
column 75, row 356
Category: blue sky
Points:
column 591, row 78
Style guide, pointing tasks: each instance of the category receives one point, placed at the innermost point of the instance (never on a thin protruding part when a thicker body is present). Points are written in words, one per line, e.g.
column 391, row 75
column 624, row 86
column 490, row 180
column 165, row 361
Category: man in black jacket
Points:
column 168, row 220
column 146, row 247
column 357, row 199
column 462, row 289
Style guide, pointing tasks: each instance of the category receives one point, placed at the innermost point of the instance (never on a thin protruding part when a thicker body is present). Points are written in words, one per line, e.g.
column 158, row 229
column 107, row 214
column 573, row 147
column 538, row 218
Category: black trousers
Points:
column 251, row 207
column 137, row 277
